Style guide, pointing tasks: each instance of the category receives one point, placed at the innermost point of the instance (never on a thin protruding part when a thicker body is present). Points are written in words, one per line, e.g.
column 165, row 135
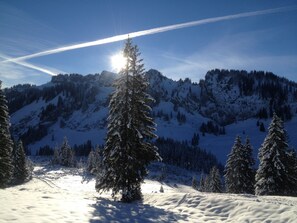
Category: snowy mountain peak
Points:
column 76, row 106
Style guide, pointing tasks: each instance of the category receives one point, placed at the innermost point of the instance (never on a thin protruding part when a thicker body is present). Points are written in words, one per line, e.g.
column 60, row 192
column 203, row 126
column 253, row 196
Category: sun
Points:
column 118, row 61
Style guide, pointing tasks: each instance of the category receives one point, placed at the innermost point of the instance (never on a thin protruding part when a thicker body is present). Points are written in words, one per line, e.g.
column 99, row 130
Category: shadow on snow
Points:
column 106, row 210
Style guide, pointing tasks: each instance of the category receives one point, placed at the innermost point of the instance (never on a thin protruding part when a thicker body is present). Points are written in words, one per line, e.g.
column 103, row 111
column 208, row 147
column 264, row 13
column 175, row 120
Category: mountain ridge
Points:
column 77, row 106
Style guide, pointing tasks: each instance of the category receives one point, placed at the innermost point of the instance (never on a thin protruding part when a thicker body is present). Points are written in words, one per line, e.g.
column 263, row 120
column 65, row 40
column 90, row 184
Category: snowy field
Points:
column 64, row 195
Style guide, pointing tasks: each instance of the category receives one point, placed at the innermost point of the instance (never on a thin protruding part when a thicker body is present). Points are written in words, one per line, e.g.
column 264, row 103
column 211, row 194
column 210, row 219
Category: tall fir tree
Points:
column 272, row 177
column 6, row 144
column 128, row 149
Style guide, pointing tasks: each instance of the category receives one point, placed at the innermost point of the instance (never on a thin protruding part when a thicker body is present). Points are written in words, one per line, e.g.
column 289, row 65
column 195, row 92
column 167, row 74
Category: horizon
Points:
column 183, row 79
column 181, row 40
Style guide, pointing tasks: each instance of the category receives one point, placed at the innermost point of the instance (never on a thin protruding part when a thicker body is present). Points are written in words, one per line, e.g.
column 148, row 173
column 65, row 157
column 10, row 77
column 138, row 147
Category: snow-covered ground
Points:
column 64, row 195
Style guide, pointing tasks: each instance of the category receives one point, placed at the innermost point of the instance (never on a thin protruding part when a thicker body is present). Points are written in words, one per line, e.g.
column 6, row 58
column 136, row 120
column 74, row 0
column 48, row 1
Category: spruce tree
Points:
column 94, row 163
column 21, row 172
column 292, row 172
column 239, row 174
column 67, row 157
column 56, row 157
column 91, row 165
column 206, row 183
column 6, row 167
column 202, row 184
column 215, row 184
column 128, row 149
column 272, row 177
column 194, row 183
column 248, row 168
column 233, row 169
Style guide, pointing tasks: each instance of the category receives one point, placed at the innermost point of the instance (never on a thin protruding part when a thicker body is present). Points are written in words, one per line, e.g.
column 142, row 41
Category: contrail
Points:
column 22, row 63
column 36, row 68
column 152, row 31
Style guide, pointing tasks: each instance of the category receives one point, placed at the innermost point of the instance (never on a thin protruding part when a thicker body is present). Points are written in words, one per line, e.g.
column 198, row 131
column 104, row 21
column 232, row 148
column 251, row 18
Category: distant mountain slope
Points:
column 76, row 106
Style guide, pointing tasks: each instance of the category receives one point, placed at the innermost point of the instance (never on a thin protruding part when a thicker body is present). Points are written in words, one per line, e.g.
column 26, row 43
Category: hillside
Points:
column 224, row 104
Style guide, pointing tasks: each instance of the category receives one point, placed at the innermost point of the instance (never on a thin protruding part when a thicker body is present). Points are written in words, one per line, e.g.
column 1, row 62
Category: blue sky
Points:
column 260, row 42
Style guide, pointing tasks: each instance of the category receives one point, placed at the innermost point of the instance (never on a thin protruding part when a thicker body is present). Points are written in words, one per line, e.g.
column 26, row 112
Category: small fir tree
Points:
column 66, row 155
column 56, row 157
column 292, row 172
column 207, row 183
column 94, row 162
column 91, row 165
column 262, row 128
column 239, row 173
column 234, row 179
column 248, row 168
column 215, row 184
column 161, row 189
column 202, row 184
column 6, row 144
column 194, row 183
column 21, row 169
column 272, row 177
column 128, row 150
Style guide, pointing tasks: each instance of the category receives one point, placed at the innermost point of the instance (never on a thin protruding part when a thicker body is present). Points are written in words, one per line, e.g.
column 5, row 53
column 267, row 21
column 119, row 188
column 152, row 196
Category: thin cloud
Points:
column 153, row 31
column 34, row 67
column 195, row 66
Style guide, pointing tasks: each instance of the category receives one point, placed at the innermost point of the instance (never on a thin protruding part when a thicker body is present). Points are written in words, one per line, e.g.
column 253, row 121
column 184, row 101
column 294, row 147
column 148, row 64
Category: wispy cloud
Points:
column 54, row 72
column 16, row 39
column 152, row 31
column 23, row 72
column 229, row 53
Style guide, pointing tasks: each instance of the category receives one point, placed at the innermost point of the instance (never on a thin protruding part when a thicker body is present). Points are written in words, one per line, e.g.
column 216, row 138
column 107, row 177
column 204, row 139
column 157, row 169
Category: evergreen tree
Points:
column 21, row 171
column 195, row 139
column 248, row 168
column 161, row 189
column 207, row 183
column 272, row 177
column 194, row 183
column 128, row 149
column 56, row 157
column 91, row 163
column 234, row 178
column 262, row 128
column 6, row 167
column 292, row 172
column 66, row 156
column 94, row 163
column 239, row 173
column 215, row 184
column 202, row 183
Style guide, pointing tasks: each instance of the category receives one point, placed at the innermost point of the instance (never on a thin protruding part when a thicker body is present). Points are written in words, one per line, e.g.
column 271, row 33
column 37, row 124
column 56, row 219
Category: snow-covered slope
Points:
column 76, row 106
column 65, row 195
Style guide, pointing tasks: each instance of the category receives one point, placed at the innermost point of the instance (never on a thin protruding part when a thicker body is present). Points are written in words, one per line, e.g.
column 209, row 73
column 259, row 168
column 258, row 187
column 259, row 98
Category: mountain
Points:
column 222, row 105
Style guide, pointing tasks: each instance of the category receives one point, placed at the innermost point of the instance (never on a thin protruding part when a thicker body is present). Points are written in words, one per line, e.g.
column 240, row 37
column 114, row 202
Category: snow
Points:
column 67, row 195
column 90, row 124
